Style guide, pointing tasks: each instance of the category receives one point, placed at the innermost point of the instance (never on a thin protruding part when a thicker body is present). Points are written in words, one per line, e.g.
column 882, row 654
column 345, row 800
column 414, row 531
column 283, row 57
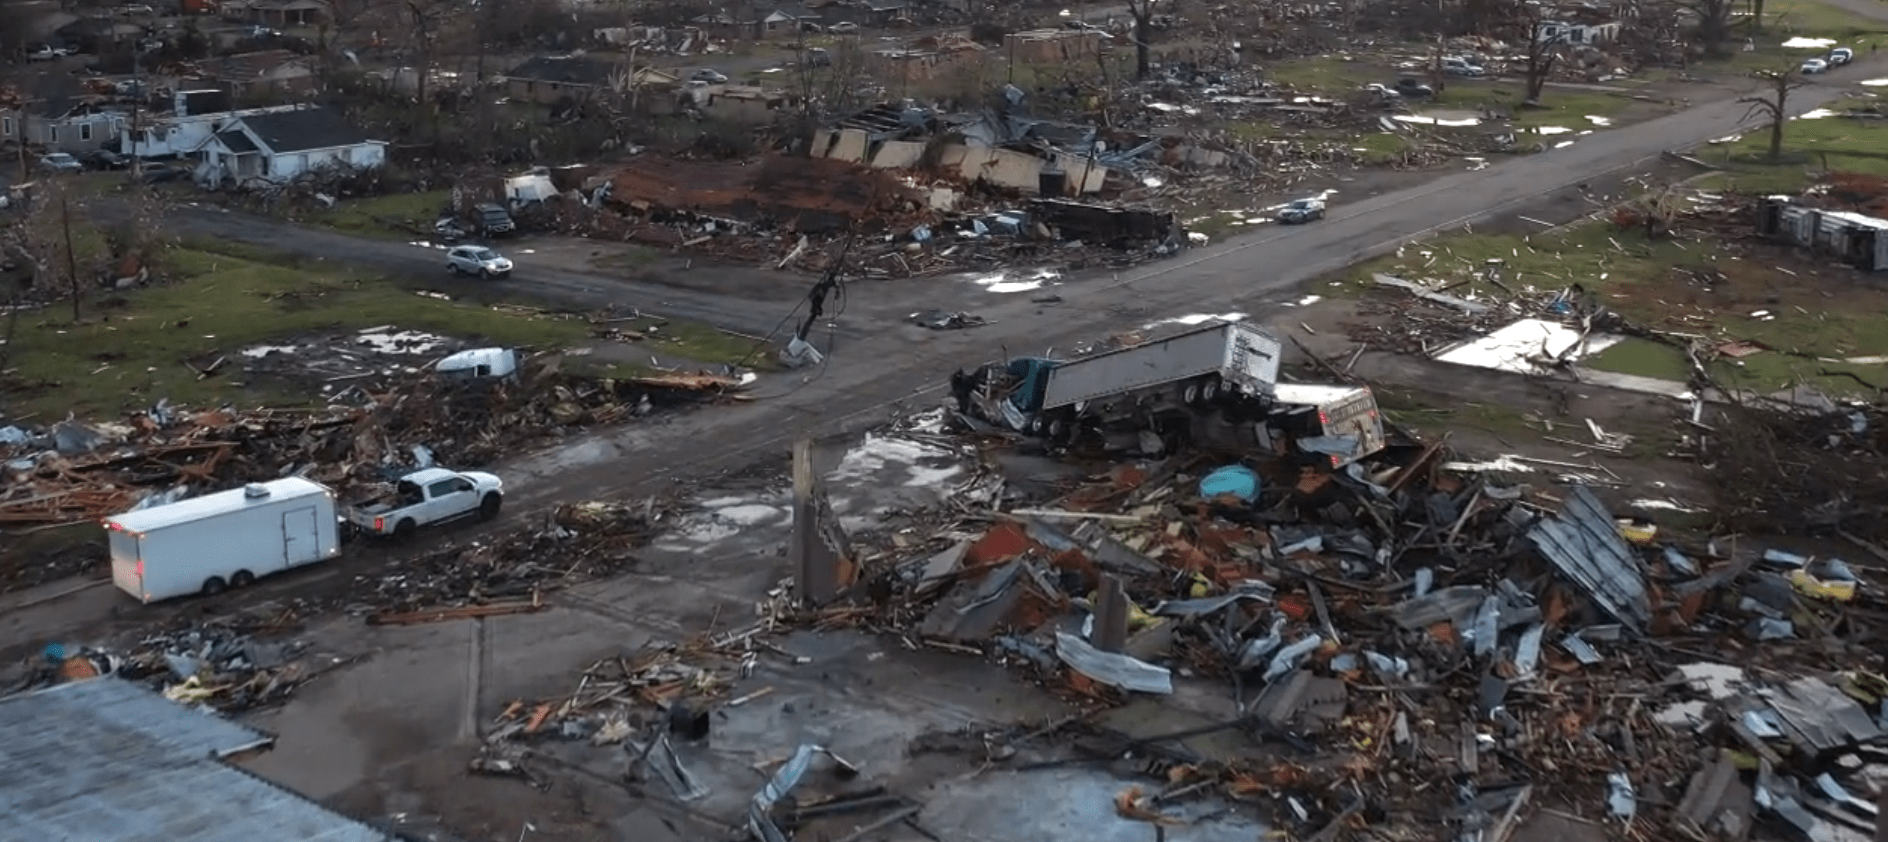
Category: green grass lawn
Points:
column 1808, row 312
column 393, row 217
column 129, row 352
column 1810, row 147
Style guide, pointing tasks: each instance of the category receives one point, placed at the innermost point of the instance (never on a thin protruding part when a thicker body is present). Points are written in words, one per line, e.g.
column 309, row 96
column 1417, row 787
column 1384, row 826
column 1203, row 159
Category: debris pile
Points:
column 1408, row 621
column 511, row 573
column 73, row 472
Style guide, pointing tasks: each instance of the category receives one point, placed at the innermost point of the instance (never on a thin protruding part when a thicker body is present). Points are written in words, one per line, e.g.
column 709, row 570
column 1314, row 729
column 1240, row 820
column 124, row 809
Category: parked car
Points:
column 818, row 57
column 494, row 220
column 477, row 260
column 60, row 162
column 1459, row 66
column 162, row 173
column 1301, row 211
column 450, row 229
column 1413, row 88
column 137, row 9
column 1841, row 56
column 105, row 159
column 1815, row 66
column 843, row 28
column 714, row 77
column 47, row 52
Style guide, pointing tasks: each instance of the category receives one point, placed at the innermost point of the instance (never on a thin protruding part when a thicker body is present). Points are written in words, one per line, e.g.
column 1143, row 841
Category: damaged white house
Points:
column 283, row 145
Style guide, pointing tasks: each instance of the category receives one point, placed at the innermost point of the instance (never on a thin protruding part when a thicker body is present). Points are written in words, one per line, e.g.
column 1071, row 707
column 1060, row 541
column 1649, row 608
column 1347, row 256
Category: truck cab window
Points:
column 442, row 488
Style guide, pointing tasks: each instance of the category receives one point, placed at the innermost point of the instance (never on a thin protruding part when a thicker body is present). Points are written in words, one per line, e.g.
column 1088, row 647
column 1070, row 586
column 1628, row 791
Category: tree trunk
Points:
column 1776, row 133
column 1756, row 15
column 1143, row 28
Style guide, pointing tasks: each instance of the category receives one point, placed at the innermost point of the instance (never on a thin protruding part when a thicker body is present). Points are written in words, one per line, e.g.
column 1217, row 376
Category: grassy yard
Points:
column 382, row 217
column 1824, row 143
column 1809, row 314
column 1797, row 19
column 131, row 351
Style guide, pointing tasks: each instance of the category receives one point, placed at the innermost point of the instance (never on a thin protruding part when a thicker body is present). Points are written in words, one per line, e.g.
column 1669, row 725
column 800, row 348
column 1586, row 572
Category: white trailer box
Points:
column 222, row 540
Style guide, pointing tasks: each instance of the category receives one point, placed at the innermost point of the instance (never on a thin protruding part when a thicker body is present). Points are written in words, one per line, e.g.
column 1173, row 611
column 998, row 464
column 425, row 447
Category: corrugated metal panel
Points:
column 109, row 761
column 1584, row 543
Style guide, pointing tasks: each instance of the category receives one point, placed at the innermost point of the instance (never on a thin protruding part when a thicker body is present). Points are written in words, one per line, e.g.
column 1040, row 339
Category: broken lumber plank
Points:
column 466, row 612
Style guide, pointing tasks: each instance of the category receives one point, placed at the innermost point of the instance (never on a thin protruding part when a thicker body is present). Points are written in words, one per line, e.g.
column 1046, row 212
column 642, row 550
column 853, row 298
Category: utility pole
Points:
column 137, row 109
column 72, row 264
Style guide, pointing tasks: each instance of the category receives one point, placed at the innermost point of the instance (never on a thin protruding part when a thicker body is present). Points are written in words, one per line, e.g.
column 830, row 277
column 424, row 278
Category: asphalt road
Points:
column 876, row 362
column 885, row 365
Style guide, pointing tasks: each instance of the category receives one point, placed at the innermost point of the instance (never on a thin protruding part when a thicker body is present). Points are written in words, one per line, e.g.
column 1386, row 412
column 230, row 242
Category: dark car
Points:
column 104, row 159
column 1301, row 211
column 494, row 220
column 1413, row 88
column 162, row 173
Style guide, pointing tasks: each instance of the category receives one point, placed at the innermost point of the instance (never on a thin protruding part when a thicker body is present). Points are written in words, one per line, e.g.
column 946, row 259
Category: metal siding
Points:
column 106, row 760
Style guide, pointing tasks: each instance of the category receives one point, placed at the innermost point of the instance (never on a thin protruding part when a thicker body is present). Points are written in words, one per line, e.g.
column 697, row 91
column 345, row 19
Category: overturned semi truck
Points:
column 1225, row 371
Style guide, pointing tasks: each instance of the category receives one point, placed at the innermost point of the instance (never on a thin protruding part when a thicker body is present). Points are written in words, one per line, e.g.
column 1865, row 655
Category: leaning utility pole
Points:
column 72, row 264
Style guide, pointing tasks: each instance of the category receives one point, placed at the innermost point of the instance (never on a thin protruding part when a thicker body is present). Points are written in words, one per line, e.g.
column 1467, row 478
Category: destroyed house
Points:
column 548, row 79
column 1850, row 237
column 259, row 73
column 106, row 760
column 62, row 128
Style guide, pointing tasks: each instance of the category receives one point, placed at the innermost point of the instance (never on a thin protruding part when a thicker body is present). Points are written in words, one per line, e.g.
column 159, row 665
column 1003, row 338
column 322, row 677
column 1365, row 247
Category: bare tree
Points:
column 1714, row 23
column 1772, row 105
column 1143, row 13
column 1528, row 25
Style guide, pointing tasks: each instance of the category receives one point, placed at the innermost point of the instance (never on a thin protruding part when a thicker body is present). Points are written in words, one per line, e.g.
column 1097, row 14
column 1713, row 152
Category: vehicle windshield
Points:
column 482, row 254
column 1301, row 204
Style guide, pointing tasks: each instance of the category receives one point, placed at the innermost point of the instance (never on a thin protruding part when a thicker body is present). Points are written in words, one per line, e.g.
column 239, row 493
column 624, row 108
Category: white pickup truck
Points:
column 428, row 496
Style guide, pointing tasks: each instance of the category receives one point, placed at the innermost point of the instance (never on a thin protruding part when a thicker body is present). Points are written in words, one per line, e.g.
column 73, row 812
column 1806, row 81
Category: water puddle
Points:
column 384, row 341
column 1599, row 121
column 1170, row 108
column 1007, row 282
column 1550, row 130
column 1439, row 120
column 1817, row 114
column 1873, row 83
column 1801, row 43
column 1192, row 319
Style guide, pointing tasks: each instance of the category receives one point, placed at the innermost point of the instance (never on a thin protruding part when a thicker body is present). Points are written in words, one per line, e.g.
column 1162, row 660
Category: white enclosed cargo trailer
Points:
column 223, row 540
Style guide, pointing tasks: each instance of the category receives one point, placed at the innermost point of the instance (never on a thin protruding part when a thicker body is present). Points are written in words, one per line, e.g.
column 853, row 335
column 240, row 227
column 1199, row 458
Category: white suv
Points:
column 477, row 260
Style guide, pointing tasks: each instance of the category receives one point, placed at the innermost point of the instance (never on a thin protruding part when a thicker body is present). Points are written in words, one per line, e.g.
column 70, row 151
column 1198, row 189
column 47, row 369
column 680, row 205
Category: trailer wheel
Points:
column 1035, row 425
column 1190, row 394
column 242, row 579
column 403, row 531
column 214, row 585
column 1209, row 391
column 488, row 507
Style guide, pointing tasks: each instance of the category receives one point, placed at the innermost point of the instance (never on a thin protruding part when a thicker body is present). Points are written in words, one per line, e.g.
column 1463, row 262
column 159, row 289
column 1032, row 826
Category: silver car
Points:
column 477, row 260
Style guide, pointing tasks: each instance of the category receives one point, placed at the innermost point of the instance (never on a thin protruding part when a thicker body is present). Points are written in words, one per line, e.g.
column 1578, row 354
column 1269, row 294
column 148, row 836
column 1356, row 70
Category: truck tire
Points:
column 1210, row 390
column 1059, row 427
column 1190, row 394
column 488, row 507
column 403, row 531
column 214, row 585
column 1035, row 426
column 242, row 579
